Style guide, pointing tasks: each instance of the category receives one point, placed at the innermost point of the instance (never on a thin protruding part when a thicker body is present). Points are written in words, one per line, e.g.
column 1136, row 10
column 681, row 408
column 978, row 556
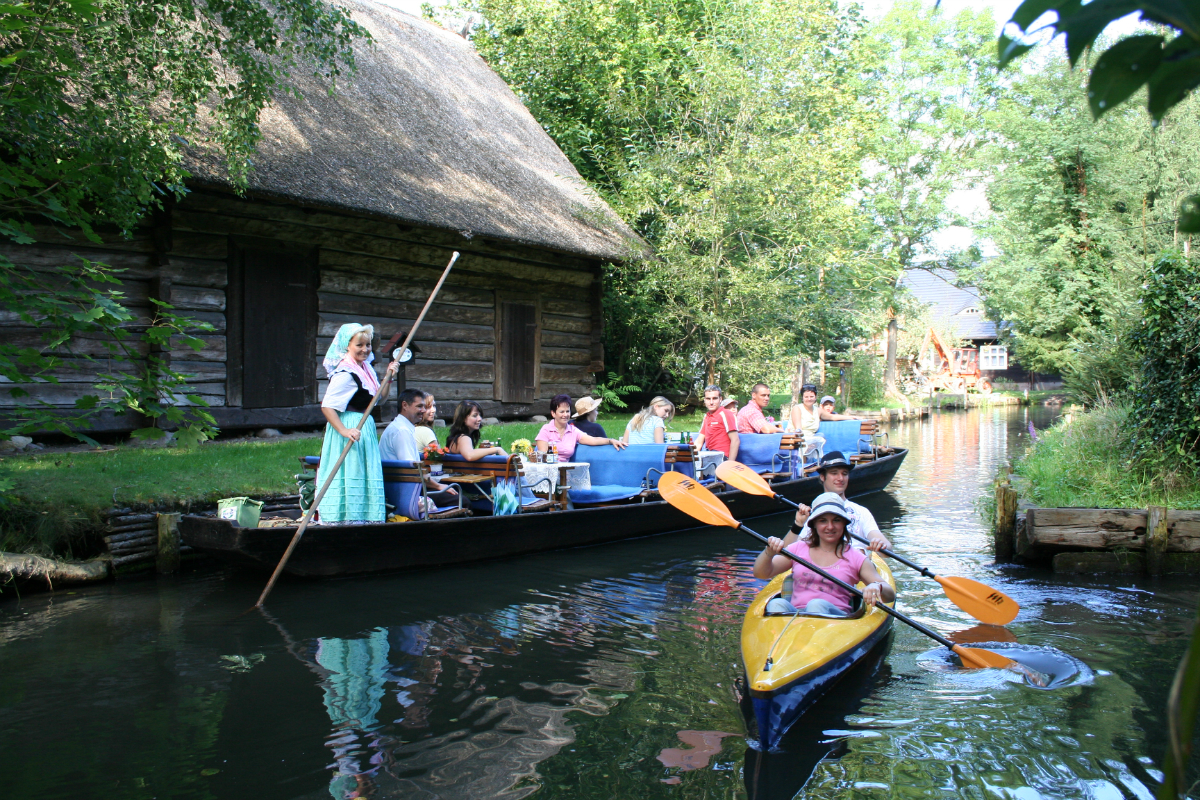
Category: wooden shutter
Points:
column 518, row 357
column 276, row 346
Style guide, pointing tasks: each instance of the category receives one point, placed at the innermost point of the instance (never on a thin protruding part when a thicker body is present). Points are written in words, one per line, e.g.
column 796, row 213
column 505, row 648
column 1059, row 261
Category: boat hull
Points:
column 808, row 656
column 332, row 550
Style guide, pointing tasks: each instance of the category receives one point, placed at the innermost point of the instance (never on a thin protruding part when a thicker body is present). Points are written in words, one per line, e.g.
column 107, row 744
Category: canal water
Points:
column 606, row 672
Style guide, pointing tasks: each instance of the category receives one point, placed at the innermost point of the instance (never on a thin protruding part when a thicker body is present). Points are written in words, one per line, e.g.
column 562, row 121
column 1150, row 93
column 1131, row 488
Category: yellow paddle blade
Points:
column 694, row 500
column 739, row 476
column 980, row 600
column 978, row 658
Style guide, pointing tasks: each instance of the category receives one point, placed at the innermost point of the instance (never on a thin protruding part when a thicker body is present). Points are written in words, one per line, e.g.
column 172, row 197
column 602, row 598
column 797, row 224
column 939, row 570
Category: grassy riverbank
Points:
column 1084, row 461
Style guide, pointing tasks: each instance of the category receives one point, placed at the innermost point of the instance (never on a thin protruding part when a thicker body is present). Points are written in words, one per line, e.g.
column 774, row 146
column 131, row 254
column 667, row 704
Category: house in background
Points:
column 355, row 204
column 961, row 311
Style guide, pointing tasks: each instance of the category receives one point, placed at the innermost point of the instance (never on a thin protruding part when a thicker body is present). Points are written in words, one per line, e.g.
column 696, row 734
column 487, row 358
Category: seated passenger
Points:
column 750, row 419
column 586, row 411
column 718, row 431
column 806, row 418
column 563, row 434
column 649, row 426
column 424, row 426
column 828, row 547
column 399, row 442
column 827, row 403
column 464, row 433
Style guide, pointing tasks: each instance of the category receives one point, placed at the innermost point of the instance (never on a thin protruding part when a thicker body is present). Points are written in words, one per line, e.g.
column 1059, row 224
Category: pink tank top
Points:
column 808, row 585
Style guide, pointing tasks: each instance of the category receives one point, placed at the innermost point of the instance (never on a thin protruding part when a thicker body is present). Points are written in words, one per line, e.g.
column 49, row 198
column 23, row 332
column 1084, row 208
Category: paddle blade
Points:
column 694, row 500
column 980, row 600
column 977, row 658
column 739, row 476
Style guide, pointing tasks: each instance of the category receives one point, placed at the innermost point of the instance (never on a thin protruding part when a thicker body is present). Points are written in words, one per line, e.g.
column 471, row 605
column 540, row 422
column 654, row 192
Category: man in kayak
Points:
column 834, row 471
column 826, row 544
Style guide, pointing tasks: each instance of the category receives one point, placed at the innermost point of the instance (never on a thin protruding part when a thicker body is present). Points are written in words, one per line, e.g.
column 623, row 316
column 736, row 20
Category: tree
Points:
column 99, row 102
column 728, row 136
column 935, row 85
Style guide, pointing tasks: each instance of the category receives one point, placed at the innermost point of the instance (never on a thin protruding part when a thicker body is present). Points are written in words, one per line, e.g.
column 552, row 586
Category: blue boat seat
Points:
column 845, row 436
column 479, row 495
column 619, row 474
column 764, row 453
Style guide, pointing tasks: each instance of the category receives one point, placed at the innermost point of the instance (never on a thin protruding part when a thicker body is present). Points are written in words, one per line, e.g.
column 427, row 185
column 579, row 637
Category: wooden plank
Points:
column 139, row 241
column 80, row 345
column 372, row 245
column 402, row 309
column 199, row 298
column 555, row 373
column 407, row 272
column 82, row 370
column 560, row 339
column 565, row 355
column 455, row 371
column 446, row 390
column 554, row 322
column 229, row 205
column 65, row 394
column 402, row 287
column 133, row 266
column 1052, row 529
column 237, row 418
column 567, row 307
column 441, row 331
column 574, row 390
column 213, row 349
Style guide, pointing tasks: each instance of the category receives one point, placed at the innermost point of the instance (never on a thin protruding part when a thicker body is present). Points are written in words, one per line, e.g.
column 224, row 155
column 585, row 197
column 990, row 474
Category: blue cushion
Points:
column 604, row 494
column 628, row 467
column 843, row 435
column 761, row 453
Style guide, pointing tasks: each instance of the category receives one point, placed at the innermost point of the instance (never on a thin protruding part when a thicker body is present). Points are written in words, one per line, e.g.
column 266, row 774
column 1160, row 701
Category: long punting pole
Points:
column 350, row 443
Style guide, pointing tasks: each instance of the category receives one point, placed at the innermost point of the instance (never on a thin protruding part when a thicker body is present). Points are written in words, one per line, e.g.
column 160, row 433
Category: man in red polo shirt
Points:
column 718, row 431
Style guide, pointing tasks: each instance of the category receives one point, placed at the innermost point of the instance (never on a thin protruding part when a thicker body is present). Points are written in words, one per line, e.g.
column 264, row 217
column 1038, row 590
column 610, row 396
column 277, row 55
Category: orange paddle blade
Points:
column 980, row 600
column 739, row 476
column 694, row 500
column 977, row 658
column 982, row 633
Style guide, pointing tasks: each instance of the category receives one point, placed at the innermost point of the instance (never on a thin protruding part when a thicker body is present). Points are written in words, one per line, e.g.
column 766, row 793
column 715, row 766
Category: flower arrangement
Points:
column 433, row 452
column 522, row 446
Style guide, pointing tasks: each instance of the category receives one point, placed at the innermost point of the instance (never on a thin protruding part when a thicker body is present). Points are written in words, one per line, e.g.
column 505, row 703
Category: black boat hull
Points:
column 332, row 550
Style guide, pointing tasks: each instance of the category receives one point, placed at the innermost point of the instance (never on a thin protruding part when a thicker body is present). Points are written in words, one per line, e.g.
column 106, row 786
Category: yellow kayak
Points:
column 791, row 660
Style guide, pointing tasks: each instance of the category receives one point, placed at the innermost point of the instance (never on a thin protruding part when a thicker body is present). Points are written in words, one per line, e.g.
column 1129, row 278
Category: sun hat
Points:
column 829, row 503
column 728, row 401
column 585, row 405
column 834, row 458
column 827, row 399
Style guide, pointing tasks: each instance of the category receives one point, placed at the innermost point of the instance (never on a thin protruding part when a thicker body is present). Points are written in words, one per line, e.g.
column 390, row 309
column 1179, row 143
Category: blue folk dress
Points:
column 356, row 493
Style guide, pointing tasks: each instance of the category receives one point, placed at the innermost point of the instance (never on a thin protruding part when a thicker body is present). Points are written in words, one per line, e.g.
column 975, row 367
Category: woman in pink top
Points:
column 827, row 546
column 563, row 434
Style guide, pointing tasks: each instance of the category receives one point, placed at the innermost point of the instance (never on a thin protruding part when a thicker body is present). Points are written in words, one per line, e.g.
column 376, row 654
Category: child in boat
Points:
column 827, row 546
column 464, row 433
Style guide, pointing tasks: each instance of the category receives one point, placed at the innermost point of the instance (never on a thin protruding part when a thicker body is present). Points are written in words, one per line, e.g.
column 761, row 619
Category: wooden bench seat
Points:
column 509, row 469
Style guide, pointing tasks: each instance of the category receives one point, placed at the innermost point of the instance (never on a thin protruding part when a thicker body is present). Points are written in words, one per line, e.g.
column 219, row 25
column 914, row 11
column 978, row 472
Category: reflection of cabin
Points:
column 354, row 207
column 961, row 311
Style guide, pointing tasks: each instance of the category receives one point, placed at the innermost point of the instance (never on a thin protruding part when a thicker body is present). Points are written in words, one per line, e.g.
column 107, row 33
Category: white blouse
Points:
column 341, row 388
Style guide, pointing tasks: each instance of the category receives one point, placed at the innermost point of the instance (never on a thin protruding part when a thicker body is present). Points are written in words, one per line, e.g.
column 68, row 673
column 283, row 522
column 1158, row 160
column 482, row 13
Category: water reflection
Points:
column 570, row 675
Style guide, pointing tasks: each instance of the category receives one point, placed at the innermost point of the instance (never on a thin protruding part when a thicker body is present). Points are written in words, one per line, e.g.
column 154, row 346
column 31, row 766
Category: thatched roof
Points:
column 425, row 132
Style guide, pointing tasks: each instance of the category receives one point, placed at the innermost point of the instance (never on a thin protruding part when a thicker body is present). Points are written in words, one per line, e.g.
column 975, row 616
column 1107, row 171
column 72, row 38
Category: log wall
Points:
column 1053, row 530
column 370, row 270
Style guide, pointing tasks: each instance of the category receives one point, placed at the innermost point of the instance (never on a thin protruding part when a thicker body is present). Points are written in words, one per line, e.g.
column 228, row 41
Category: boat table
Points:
column 562, row 475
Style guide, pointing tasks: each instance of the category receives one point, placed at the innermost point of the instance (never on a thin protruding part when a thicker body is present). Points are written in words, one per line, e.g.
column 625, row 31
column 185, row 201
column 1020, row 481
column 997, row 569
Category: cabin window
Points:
column 274, row 334
column 518, row 345
column 993, row 357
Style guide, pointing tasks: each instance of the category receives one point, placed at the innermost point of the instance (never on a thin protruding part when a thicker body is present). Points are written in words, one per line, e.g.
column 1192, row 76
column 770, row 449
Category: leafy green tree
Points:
column 99, row 102
column 935, row 83
column 728, row 135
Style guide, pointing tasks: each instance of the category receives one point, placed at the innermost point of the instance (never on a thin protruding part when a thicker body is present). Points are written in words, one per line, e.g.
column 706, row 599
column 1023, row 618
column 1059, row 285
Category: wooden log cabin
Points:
column 354, row 206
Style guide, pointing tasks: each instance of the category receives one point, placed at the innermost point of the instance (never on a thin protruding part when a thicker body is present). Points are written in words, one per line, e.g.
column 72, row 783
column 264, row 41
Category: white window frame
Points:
column 993, row 357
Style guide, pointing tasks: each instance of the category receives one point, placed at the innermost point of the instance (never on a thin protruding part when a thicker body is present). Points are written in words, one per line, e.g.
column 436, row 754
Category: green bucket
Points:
column 241, row 510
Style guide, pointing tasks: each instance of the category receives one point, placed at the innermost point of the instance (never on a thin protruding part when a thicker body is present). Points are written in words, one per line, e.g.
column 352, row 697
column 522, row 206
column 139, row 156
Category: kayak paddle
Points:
column 698, row 502
column 977, row 599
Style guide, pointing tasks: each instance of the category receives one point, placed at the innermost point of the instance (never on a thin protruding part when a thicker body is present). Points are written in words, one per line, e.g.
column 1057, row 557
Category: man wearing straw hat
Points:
column 586, row 411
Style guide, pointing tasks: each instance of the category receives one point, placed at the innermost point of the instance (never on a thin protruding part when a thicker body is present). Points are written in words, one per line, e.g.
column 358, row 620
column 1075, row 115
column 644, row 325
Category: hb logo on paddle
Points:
column 996, row 598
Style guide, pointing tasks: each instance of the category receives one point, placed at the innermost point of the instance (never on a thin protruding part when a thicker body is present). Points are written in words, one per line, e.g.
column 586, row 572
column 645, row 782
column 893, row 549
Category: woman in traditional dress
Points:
column 356, row 492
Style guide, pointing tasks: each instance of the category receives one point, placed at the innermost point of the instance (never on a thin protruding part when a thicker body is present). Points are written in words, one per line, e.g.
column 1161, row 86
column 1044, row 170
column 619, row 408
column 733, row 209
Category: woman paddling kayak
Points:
column 827, row 546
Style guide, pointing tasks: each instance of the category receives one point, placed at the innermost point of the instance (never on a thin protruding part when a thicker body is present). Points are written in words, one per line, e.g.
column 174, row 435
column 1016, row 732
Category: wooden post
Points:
column 167, row 559
column 1156, row 539
column 1005, row 529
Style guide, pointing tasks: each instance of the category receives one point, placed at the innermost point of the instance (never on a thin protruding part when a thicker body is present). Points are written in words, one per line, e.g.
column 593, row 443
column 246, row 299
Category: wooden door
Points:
column 519, row 351
column 277, row 344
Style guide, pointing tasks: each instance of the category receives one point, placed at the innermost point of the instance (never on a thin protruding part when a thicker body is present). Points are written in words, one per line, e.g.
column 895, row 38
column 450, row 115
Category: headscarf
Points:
column 338, row 355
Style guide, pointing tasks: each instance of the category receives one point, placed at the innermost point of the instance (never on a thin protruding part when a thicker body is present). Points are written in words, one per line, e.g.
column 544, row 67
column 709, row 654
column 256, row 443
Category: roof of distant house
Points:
column 425, row 132
column 961, row 307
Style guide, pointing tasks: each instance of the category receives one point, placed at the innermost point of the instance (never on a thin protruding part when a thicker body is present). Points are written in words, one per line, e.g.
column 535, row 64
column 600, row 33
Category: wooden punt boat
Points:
column 791, row 660
column 333, row 550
